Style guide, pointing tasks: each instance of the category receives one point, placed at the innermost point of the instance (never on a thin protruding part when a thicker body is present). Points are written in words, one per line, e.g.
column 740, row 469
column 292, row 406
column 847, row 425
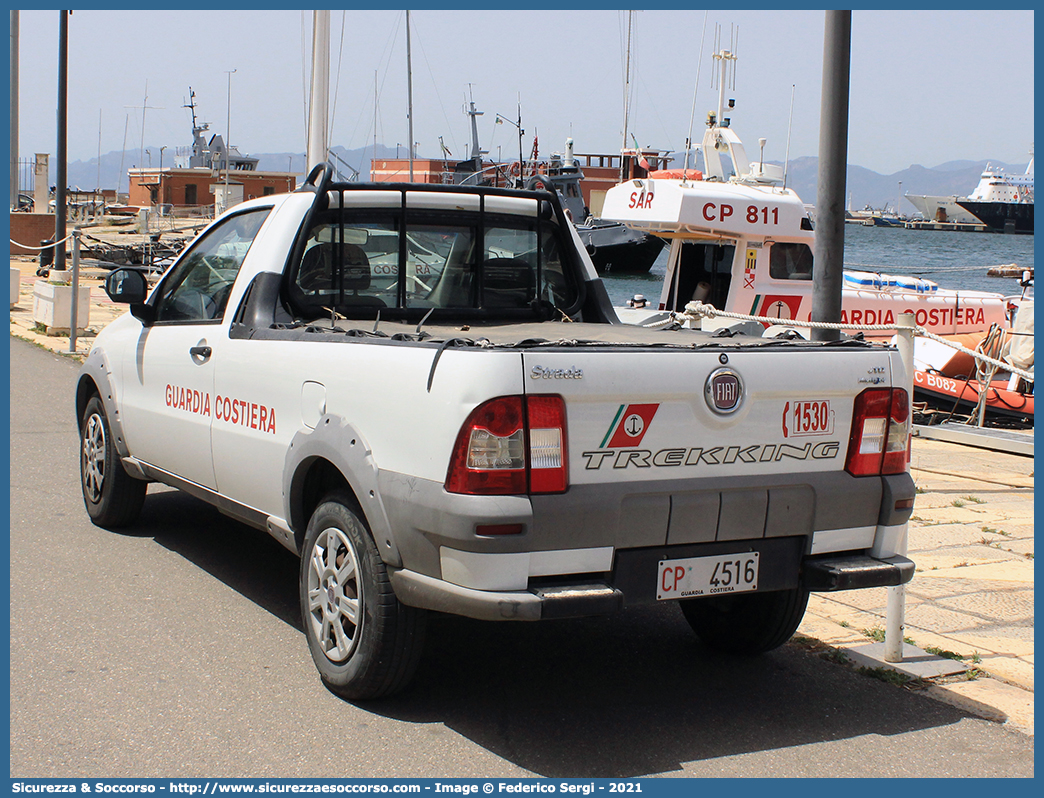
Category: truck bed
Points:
column 565, row 334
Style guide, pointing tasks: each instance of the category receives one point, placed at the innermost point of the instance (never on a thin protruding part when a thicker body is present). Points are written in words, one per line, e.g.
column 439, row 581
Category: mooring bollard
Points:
column 895, row 612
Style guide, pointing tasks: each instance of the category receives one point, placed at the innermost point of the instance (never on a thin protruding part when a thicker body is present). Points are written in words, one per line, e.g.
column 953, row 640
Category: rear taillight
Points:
column 880, row 433
column 897, row 447
column 511, row 445
column 547, row 444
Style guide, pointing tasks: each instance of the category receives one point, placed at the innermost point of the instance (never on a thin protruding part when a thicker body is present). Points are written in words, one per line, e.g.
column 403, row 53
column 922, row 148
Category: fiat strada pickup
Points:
column 424, row 392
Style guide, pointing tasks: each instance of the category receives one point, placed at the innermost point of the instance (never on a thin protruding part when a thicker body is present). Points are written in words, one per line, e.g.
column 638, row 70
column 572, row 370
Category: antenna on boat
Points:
column 695, row 88
column 790, row 126
column 735, row 52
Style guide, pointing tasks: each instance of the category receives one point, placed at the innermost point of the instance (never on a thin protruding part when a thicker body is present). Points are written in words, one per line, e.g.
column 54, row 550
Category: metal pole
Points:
column 895, row 616
column 895, row 611
column 62, row 154
column 833, row 156
column 409, row 91
column 73, row 321
column 319, row 97
column 627, row 95
column 521, row 133
column 14, row 110
column 228, row 135
column 373, row 163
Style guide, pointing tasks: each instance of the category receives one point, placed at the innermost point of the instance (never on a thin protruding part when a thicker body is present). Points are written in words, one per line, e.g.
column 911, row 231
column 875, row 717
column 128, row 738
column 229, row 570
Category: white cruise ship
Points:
column 995, row 185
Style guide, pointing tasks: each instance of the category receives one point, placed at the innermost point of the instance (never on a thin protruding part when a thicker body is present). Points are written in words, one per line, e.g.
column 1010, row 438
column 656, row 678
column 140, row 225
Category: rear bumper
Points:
column 588, row 529
column 633, row 579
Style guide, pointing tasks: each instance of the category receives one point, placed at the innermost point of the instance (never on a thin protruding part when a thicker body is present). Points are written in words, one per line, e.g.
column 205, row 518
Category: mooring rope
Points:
column 45, row 246
column 698, row 310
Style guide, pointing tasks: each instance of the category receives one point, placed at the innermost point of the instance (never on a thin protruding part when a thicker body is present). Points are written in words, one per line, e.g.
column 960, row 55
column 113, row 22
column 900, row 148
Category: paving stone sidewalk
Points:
column 102, row 310
column 971, row 536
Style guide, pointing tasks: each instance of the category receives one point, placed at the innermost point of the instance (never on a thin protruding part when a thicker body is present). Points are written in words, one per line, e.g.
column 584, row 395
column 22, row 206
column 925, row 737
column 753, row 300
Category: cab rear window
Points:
column 356, row 262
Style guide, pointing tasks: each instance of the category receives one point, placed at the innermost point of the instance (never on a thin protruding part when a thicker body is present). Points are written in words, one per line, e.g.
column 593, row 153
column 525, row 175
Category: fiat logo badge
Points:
column 723, row 391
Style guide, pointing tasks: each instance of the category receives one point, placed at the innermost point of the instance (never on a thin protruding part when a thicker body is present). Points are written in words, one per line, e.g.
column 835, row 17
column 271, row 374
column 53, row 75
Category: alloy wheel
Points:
column 93, row 458
column 334, row 596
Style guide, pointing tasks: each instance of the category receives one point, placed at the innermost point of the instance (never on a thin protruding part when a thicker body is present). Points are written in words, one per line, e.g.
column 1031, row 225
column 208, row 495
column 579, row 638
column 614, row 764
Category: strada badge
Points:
column 541, row 373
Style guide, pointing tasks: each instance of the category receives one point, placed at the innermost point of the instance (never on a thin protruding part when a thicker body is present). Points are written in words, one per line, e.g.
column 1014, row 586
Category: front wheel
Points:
column 364, row 642
column 112, row 497
column 746, row 623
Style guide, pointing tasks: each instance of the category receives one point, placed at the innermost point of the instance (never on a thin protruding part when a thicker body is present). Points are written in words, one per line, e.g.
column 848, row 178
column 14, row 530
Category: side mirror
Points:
column 130, row 287
column 126, row 286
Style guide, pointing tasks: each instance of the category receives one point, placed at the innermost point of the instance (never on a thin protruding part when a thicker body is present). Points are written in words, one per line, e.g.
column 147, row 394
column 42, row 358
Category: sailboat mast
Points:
column 320, row 92
column 373, row 162
column 627, row 96
column 409, row 93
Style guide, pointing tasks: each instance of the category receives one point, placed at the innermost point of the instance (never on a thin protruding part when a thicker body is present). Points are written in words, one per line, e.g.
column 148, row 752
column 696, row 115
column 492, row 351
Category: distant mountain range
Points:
column 863, row 186
column 86, row 175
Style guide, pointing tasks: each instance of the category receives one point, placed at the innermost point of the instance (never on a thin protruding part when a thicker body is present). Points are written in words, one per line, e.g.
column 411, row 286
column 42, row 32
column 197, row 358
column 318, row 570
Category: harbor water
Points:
column 957, row 260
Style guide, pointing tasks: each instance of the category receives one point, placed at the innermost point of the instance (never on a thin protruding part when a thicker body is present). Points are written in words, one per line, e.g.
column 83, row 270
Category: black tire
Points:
column 746, row 623
column 112, row 497
column 364, row 642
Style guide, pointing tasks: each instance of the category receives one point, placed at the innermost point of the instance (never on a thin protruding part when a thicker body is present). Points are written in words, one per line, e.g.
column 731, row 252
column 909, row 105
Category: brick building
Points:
column 185, row 190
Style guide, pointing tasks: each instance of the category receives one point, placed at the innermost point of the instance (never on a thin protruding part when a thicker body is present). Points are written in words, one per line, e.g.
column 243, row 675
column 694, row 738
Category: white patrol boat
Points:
column 743, row 242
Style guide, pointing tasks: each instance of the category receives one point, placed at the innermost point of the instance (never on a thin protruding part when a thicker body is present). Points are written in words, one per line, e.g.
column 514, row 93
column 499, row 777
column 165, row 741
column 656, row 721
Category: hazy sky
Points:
column 927, row 86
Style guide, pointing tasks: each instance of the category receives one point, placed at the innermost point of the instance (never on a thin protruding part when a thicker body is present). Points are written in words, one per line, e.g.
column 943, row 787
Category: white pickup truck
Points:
column 424, row 392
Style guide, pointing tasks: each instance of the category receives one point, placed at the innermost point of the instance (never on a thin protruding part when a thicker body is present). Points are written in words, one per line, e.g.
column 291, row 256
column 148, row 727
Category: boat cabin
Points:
column 749, row 249
column 743, row 243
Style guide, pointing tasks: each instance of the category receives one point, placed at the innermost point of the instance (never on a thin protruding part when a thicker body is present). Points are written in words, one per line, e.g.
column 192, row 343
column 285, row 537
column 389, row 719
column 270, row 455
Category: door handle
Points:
column 202, row 352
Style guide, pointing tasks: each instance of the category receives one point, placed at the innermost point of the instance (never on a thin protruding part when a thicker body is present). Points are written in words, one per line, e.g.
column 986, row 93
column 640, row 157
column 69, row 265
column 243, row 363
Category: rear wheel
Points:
column 364, row 642
column 747, row 623
column 111, row 496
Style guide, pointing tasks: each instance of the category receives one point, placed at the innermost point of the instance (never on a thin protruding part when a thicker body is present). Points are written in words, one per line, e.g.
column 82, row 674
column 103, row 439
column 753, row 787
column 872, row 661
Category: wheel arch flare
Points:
column 334, row 454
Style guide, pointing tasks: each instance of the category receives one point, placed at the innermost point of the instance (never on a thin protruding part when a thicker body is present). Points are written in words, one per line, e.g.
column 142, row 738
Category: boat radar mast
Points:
column 476, row 151
column 200, row 150
column 719, row 139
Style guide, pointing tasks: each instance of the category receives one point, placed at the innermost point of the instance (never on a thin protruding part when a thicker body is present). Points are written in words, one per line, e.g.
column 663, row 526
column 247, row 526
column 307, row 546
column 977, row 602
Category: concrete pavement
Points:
column 971, row 536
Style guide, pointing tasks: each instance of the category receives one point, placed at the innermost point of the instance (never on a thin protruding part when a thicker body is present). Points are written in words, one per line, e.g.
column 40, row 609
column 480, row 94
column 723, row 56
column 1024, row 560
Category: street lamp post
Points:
column 160, row 181
column 500, row 119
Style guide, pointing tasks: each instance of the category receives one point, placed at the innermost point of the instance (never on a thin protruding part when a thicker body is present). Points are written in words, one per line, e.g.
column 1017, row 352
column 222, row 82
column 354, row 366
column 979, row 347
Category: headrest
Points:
column 320, row 262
